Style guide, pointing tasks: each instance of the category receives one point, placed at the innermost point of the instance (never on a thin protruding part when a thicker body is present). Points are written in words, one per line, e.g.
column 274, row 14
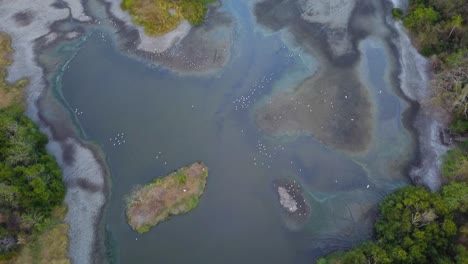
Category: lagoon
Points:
column 149, row 121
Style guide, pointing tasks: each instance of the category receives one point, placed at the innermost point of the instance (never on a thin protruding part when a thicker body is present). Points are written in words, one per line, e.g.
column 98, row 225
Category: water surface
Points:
column 150, row 121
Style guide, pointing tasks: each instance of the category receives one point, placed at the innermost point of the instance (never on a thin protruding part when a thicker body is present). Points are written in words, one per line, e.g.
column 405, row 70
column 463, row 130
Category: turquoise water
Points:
column 150, row 121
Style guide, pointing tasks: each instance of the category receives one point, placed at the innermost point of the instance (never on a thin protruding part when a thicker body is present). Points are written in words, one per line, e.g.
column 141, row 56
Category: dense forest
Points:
column 416, row 225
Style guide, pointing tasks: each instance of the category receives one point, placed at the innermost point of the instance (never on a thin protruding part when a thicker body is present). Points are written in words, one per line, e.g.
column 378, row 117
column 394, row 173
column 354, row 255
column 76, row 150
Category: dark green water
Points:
column 168, row 120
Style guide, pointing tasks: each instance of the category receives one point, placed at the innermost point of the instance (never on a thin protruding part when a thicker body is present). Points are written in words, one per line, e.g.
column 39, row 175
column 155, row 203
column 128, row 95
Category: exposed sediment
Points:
column 295, row 208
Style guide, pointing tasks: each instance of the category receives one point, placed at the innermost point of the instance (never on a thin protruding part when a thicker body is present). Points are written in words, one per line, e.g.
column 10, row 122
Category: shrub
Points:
column 397, row 13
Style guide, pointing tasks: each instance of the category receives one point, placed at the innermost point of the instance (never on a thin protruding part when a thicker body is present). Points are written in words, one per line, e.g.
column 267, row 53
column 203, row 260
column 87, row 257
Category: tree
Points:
column 414, row 226
column 421, row 18
column 455, row 195
column 451, row 86
column 30, row 179
column 417, row 222
column 456, row 22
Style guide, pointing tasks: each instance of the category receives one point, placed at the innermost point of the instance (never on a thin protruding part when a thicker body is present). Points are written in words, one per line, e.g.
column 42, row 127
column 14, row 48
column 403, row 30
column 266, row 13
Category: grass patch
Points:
column 47, row 244
column 176, row 193
column 162, row 16
column 9, row 93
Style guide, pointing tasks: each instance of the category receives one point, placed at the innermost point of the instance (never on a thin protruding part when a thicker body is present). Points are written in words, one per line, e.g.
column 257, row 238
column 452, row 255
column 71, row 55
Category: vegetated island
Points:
column 176, row 193
column 161, row 17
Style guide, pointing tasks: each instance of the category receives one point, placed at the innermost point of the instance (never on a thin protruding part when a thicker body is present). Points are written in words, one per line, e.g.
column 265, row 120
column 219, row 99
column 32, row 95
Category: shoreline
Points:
column 426, row 121
column 85, row 172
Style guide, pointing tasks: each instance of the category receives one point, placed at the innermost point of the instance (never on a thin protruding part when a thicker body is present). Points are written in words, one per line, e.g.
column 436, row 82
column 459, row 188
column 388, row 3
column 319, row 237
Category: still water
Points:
column 150, row 121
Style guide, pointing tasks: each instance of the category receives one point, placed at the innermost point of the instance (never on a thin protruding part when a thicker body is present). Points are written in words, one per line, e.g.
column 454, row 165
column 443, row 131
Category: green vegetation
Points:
column 438, row 26
column 176, row 193
column 9, row 93
column 455, row 163
column 49, row 244
column 397, row 13
column 181, row 178
column 162, row 16
column 30, row 179
column 31, row 187
column 414, row 226
column 440, row 31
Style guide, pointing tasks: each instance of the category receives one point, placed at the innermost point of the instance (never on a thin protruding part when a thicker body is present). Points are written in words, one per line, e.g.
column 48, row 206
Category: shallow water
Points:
column 164, row 120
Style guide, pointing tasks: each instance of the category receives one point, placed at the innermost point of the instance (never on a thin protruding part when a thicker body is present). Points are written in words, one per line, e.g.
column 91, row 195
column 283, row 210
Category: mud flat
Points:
column 295, row 208
column 176, row 193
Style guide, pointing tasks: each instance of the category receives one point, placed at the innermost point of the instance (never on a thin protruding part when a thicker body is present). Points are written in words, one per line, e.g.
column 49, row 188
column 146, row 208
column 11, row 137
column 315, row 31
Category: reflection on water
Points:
column 151, row 121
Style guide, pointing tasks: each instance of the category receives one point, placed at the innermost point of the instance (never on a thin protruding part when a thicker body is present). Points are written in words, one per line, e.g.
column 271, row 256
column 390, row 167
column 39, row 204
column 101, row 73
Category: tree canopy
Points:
column 414, row 226
column 30, row 179
column 438, row 26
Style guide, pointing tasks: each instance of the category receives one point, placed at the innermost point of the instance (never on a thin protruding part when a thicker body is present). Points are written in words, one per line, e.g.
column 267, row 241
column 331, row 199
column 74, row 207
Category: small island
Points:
column 176, row 193
column 161, row 17
column 295, row 208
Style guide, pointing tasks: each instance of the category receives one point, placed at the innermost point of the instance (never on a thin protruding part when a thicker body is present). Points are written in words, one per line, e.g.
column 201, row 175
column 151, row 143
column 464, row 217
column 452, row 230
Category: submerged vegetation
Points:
column 162, row 16
column 416, row 225
column 31, row 186
column 176, row 193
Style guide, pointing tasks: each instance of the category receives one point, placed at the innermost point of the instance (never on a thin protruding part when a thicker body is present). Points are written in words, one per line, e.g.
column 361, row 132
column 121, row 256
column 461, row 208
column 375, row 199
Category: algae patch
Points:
column 176, row 193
